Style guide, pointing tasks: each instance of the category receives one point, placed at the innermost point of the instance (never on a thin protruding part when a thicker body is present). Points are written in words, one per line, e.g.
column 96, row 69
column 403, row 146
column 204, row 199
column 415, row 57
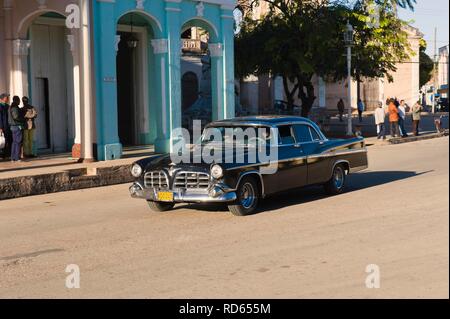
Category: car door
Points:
column 292, row 169
column 312, row 145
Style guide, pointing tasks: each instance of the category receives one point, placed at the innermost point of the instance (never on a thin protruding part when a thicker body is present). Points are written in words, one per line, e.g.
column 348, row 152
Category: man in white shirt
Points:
column 380, row 117
column 402, row 118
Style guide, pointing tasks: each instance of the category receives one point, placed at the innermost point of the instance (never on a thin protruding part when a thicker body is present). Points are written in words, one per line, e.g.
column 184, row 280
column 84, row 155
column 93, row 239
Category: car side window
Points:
column 315, row 135
column 302, row 133
column 286, row 136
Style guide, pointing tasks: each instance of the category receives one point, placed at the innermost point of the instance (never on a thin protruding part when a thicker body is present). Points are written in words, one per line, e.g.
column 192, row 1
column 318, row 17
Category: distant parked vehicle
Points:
column 442, row 105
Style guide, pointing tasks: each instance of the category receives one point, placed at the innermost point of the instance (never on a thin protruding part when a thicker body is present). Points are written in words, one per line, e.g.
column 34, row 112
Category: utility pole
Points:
column 348, row 38
column 435, row 76
column 349, row 72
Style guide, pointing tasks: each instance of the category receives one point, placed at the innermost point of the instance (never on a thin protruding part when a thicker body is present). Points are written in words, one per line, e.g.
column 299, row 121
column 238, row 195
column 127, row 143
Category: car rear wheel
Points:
column 160, row 206
column 336, row 184
column 248, row 194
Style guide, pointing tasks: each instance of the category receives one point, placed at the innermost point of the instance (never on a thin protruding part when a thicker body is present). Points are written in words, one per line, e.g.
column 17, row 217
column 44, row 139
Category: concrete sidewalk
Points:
column 336, row 128
column 58, row 173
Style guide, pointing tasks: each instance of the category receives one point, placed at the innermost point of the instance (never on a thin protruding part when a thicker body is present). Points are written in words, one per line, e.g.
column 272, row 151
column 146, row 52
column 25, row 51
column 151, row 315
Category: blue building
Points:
column 114, row 76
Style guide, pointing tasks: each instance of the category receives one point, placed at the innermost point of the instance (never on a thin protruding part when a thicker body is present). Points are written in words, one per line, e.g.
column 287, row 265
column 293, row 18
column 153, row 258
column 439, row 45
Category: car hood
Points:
column 196, row 161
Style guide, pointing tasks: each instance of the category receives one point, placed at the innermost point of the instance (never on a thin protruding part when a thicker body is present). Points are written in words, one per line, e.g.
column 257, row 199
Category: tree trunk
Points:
column 289, row 93
column 307, row 97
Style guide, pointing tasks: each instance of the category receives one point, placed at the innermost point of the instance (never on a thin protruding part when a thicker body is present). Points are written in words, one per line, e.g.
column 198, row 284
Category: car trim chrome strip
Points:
column 323, row 155
column 358, row 169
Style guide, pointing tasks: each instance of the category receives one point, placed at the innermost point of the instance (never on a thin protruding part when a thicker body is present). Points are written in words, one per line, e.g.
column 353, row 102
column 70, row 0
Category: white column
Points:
column 278, row 89
column 87, row 109
column 7, row 10
column 20, row 67
column 322, row 92
column 74, row 44
column 217, row 80
column 160, row 50
column 2, row 54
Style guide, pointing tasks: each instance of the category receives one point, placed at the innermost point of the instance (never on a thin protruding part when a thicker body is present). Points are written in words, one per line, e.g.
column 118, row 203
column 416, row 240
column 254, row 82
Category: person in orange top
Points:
column 393, row 118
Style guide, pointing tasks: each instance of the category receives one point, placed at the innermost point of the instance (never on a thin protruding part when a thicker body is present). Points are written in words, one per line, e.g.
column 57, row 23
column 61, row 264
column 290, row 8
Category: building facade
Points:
column 443, row 71
column 116, row 78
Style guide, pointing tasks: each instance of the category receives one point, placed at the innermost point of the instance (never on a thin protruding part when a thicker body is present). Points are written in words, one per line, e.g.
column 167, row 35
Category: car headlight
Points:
column 136, row 170
column 216, row 171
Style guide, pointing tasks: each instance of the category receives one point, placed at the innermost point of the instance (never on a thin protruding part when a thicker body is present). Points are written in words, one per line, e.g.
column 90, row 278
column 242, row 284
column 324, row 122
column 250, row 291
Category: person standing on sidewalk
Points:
column 341, row 109
column 17, row 124
column 361, row 108
column 380, row 118
column 416, row 110
column 402, row 118
column 28, row 133
column 393, row 118
column 4, row 124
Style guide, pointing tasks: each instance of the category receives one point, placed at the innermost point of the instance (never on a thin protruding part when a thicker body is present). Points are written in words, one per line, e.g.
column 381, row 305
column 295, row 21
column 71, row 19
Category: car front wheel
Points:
column 336, row 184
column 160, row 207
column 248, row 195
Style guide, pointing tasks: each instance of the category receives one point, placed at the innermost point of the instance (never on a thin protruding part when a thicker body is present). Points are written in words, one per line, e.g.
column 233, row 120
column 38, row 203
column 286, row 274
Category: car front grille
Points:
column 157, row 179
column 191, row 180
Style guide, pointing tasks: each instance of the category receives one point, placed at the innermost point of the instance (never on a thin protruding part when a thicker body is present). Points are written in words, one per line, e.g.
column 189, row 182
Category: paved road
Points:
column 303, row 245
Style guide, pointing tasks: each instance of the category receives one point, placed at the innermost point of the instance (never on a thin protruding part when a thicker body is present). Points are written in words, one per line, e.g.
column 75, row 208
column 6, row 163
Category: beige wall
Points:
column 37, row 48
column 2, row 53
column 16, row 18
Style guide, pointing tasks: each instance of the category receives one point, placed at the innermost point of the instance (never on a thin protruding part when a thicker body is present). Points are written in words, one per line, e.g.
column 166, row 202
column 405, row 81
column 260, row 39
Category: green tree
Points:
column 298, row 39
column 426, row 64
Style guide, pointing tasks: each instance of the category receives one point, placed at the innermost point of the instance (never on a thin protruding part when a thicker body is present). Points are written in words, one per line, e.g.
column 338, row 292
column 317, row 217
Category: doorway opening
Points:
column 133, row 66
column 126, row 92
column 51, row 84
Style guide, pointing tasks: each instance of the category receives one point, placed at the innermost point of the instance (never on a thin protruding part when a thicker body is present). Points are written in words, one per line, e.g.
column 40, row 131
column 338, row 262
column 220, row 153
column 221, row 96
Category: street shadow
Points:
column 355, row 182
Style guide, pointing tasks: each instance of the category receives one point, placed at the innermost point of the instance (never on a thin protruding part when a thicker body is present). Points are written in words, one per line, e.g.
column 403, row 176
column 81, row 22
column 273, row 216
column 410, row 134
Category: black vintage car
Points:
column 304, row 156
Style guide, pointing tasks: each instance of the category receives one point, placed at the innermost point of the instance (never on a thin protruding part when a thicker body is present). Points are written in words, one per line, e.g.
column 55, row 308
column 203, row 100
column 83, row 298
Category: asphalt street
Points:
column 302, row 244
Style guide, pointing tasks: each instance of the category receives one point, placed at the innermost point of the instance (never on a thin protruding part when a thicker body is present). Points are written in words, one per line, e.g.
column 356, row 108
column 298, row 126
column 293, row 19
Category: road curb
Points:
column 68, row 180
column 402, row 140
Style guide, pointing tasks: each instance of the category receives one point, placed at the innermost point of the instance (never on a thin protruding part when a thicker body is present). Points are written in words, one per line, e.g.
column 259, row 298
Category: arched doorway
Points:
column 50, row 78
column 196, row 84
column 134, row 67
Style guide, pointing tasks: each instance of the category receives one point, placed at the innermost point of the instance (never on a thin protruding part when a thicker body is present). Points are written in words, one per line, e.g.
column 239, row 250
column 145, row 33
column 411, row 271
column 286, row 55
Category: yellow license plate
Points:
column 165, row 196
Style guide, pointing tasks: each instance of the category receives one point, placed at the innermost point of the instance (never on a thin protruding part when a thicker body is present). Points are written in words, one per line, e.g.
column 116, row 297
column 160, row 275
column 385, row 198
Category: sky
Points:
column 427, row 15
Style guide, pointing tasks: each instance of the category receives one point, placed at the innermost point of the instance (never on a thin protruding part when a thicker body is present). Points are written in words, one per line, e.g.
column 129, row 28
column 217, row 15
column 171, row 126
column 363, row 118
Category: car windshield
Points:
column 248, row 136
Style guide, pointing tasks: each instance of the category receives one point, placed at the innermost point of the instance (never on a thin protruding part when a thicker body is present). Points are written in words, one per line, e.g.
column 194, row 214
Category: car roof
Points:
column 268, row 120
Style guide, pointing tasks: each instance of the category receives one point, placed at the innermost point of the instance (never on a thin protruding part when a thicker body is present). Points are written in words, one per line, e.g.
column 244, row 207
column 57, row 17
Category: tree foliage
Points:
column 298, row 39
column 426, row 64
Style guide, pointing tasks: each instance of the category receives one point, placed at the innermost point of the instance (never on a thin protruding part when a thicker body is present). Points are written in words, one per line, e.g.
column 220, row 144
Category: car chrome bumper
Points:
column 138, row 191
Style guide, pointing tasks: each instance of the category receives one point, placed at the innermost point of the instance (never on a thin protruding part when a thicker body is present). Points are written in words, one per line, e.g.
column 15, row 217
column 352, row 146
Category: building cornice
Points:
column 224, row 4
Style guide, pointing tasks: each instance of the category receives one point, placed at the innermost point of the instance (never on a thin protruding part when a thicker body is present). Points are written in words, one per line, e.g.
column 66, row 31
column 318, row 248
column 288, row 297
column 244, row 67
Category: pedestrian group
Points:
column 17, row 126
column 397, row 117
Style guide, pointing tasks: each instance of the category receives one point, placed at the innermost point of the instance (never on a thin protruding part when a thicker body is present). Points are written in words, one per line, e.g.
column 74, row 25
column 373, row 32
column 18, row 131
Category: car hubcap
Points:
column 339, row 178
column 248, row 197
